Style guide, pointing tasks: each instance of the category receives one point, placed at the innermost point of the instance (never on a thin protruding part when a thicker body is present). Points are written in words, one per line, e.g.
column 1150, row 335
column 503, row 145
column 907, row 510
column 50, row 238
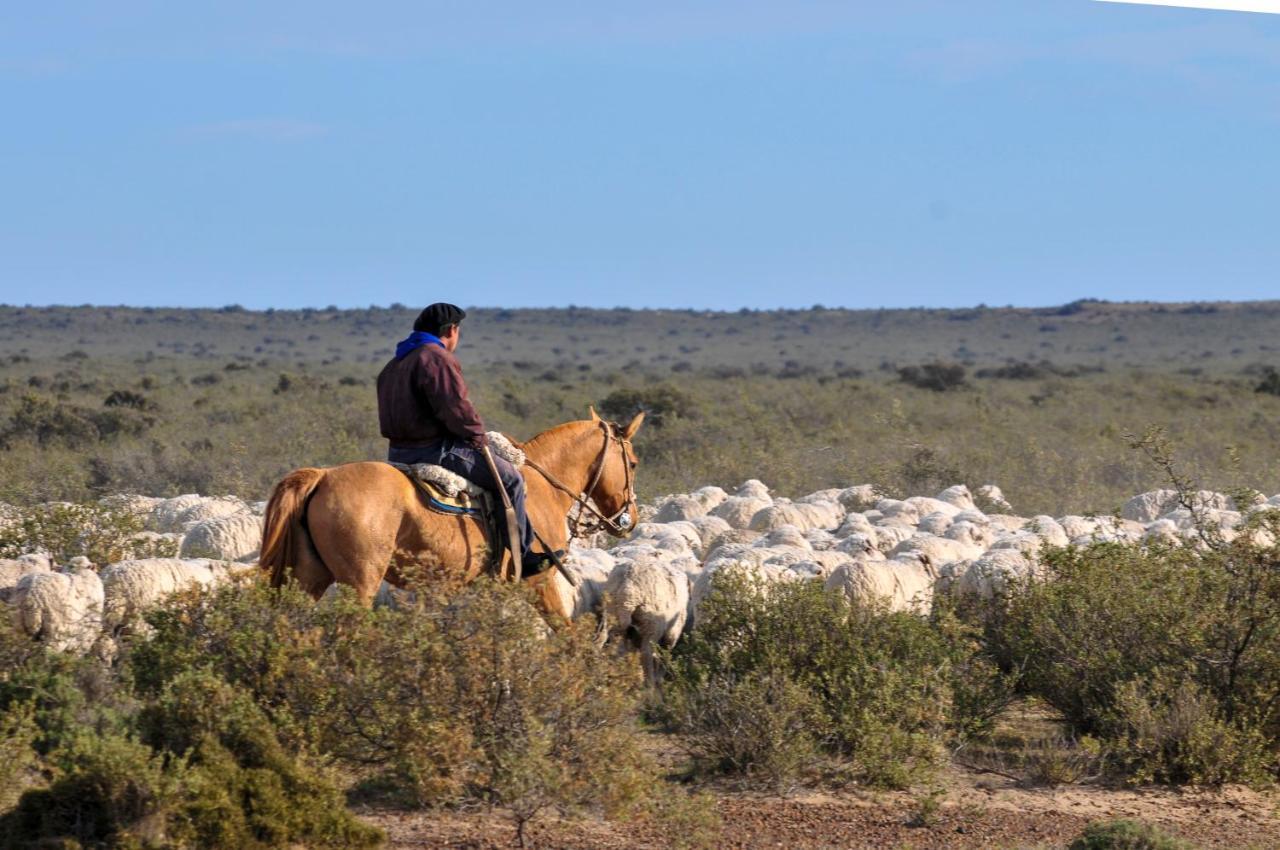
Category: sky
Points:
column 686, row 154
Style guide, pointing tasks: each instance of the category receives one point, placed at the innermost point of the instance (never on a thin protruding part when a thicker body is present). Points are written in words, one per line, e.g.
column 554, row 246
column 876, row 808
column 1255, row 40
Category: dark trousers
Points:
column 468, row 461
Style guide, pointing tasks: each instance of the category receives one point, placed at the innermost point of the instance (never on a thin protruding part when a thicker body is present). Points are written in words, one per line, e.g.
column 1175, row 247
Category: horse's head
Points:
column 614, row 492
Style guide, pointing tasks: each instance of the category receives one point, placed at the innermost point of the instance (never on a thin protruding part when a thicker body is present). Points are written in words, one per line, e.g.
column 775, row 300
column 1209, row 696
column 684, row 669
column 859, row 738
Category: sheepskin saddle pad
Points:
column 449, row 492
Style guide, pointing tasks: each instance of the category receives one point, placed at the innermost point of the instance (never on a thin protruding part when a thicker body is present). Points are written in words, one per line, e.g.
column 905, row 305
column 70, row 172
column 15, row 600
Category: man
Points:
column 425, row 413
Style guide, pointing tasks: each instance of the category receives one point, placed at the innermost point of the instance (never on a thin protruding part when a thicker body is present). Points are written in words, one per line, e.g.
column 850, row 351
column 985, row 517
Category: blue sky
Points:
column 680, row 154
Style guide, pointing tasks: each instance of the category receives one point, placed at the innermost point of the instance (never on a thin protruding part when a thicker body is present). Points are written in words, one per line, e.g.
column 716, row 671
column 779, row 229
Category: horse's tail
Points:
column 283, row 532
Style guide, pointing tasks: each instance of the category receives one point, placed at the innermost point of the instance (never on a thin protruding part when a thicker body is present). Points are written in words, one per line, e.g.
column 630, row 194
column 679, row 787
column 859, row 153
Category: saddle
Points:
column 447, row 492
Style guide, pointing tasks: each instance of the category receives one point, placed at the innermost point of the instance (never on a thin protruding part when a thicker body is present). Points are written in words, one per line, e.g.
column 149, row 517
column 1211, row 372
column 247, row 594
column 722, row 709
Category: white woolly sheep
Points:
column 822, row 513
column 131, row 588
column 753, row 489
column 925, row 506
column 709, row 496
column 738, row 510
column 165, row 516
column 647, row 603
column 935, row 523
column 897, row 512
column 819, row 539
column 974, row 534
column 990, row 575
column 904, row 585
column 236, row 537
column 858, row 498
column 12, row 571
column 680, row 507
column 936, row 551
column 787, row 535
column 777, row 515
column 60, row 609
column 709, row 528
column 994, row 497
column 959, row 497
column 1049, row 530
column 210, row 508
column 854, row 524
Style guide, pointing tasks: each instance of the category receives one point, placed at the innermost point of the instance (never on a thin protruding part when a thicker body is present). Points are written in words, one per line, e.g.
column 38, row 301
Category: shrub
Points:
column 101, row 533
column 1127, row 835
column 773, row 676
column 939, row 377
column 660, row 404
column 1171, row 656
column 511, row 716
column 1270, row 383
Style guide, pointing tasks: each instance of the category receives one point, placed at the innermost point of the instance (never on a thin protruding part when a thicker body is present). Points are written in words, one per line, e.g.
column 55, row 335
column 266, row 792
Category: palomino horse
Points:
column 359, row 523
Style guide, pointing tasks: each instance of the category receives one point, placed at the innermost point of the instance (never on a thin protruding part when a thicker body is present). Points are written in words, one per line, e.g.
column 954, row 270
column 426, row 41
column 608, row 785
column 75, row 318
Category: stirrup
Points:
column 539, row 562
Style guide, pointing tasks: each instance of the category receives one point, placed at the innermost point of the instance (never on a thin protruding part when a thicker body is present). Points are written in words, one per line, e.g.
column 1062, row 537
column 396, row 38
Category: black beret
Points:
column 438, row 316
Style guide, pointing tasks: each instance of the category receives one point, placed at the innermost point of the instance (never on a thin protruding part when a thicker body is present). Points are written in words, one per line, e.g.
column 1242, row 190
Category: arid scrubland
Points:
column 101, row 400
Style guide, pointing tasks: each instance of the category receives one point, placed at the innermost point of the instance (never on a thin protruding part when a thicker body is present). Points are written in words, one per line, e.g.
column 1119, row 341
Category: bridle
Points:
column 620, row 522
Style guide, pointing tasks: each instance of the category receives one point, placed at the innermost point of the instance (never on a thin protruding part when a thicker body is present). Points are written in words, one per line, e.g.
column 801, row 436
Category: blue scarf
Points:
column 414, row 341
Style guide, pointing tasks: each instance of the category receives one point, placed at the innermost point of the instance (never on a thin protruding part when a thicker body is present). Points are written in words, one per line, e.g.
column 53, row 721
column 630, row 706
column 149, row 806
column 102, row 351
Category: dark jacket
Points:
column 422, row 399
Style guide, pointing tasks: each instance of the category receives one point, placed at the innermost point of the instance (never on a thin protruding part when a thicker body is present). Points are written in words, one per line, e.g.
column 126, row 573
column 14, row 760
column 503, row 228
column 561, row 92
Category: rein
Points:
column 580, row 526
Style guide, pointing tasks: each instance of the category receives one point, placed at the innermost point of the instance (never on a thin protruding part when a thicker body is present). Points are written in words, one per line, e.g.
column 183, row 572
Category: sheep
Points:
column 979, row 535
column 925, row 506
column 904, row 584
column 889, row 536
column 821, row 513
column 819, row 539
column 854, row 524
column 235, row 537
column 60, row 609
column 896, row 512
column 959, row 497
column 710, row 496
column 210, row 508
column 733, row 537
column 994, row 497
column 859, row 498
column 936, row 551
column 777, row 515
column 787, row 535
column 12, row 571
column 990, row 575
column 680, row 507
column 1004, row 522
column 935, row 523
column 1049, row 530
column 753, row 489
column 165, row 515
column 131, row 588
column 738, row 510
column 709, row 529
column 646, row 602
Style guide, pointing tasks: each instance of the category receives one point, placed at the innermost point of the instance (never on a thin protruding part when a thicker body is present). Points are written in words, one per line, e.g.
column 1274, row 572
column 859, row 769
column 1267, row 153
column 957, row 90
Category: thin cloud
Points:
column 262, row 129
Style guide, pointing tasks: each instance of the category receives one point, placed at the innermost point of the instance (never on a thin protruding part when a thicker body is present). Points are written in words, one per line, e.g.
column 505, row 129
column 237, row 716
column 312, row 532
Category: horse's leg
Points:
column 357, row 542
column 309, row 571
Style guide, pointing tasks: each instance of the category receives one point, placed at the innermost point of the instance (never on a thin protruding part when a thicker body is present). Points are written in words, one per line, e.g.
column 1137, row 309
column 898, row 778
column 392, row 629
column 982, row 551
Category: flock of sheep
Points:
column 650, row 585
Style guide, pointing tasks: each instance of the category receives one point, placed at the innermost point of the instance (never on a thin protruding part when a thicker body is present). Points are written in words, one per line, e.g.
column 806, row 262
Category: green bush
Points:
column 1169, row 655
column 101, row 533
column 450, row 702
column 939, row 377
column 780, row 683
column 1127, row 835
column 660, row 403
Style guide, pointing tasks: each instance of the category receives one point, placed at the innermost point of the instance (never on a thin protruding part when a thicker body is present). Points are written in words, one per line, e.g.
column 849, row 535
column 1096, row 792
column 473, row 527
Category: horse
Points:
column 360, row 523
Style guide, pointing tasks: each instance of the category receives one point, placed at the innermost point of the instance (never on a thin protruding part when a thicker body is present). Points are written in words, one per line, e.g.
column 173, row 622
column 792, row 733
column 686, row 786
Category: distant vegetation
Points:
column 103, row 400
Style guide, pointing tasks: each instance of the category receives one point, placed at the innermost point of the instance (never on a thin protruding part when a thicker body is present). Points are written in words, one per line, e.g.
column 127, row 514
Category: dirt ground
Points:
column 974, row 810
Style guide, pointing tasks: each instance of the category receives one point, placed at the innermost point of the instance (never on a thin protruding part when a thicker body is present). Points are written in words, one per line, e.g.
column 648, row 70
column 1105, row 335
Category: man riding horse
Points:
column 424, row 412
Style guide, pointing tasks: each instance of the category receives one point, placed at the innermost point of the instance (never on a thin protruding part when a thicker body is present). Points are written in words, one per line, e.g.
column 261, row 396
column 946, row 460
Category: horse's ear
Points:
column 634, row 426
column 595, row 417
